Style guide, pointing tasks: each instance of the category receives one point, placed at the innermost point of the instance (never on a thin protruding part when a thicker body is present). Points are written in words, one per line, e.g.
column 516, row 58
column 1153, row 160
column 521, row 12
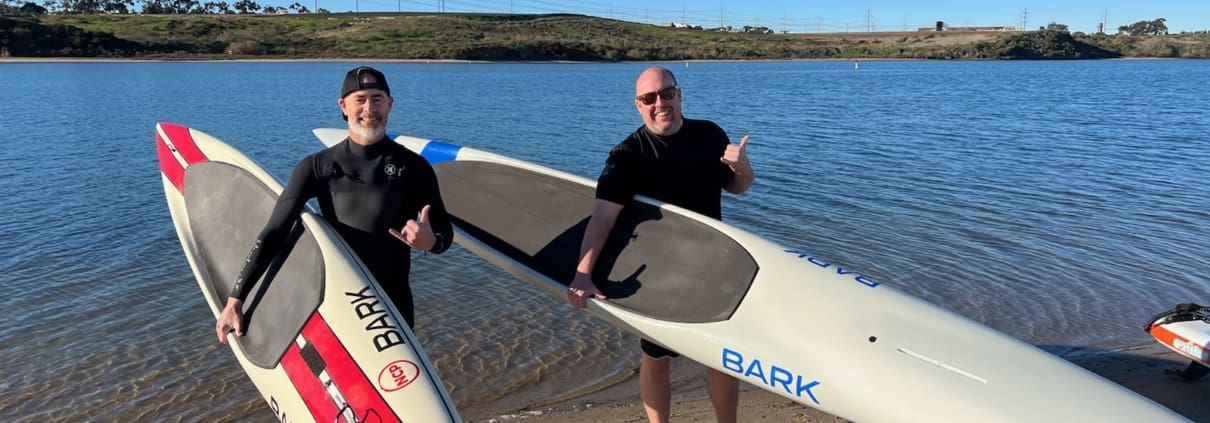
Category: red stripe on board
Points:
column 357, row 389
column 312, row 392
column 169, row 166
column 183, row 141
column 1169, row 338
column 1164, row 335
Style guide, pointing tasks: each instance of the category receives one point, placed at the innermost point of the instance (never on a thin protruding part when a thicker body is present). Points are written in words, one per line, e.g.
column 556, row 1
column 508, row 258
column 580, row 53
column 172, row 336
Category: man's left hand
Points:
column 736, row 158
column 417, row 233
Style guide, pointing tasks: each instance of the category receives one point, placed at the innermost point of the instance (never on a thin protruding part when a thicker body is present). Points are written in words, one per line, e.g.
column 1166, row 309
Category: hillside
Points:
column 526, row 38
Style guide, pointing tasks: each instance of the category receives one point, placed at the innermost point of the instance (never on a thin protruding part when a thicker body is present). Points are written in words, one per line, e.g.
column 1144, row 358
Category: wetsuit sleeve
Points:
column 300, row 188
column 619, row 177
column 439, row 218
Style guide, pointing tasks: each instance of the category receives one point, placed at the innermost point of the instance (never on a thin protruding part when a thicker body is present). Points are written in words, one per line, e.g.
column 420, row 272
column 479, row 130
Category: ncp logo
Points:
column 398, row 375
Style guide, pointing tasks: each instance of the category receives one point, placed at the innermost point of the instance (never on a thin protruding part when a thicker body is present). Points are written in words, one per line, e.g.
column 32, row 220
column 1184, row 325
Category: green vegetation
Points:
column 1190, row 46
column 1045, row 44
column 1156, row 27
column 525, row 38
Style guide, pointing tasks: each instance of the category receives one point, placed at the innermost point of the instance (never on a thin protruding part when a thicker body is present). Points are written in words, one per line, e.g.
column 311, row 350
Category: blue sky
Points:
column 827, row 16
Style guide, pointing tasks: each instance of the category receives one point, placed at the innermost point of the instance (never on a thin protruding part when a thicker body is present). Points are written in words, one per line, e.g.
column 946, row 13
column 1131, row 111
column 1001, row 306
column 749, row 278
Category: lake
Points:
column 1062, row 202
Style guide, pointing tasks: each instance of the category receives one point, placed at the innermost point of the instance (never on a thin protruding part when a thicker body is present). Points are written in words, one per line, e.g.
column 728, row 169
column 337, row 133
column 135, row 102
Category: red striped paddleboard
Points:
column 322, row 343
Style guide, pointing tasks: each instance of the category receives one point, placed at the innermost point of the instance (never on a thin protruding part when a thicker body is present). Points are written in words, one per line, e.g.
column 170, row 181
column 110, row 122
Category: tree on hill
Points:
column 217, row 8
column 16, row 8
column 1055, row 26
column 117, row 6
column 246, row 6
column 1156, row 27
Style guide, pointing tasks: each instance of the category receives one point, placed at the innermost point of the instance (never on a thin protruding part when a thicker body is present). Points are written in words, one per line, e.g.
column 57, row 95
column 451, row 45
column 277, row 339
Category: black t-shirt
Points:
column 682, row 169
column 363, row 191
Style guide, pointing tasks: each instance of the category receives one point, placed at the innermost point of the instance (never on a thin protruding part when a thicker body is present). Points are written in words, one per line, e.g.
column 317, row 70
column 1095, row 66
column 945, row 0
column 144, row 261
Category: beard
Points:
column 369, row 133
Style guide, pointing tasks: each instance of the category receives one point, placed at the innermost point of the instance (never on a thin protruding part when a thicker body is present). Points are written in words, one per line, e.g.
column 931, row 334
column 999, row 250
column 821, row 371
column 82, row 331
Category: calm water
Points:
column 1061, row 202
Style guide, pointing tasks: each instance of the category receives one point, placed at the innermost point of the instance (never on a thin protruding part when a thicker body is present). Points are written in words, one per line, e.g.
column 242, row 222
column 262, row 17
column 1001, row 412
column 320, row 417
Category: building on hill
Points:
column 942, row 26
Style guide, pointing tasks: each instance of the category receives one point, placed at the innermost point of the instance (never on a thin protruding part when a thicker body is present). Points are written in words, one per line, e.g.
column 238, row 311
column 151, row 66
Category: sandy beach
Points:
column 1141, row 370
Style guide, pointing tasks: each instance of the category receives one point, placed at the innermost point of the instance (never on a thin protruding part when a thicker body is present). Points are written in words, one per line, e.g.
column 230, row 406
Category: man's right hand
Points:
column 580, row 289
column 230, row 320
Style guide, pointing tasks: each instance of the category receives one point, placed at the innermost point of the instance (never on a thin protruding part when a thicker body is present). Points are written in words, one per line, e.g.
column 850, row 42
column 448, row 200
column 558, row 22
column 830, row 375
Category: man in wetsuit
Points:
column 684, row 162
column 380, row 197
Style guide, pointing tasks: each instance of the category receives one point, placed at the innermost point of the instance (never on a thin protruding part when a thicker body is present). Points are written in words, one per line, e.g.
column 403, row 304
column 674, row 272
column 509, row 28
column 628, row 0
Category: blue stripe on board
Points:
column 436, row 152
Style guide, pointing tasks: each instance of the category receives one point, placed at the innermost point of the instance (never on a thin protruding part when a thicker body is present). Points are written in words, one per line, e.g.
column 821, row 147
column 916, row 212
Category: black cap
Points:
column 355, row 80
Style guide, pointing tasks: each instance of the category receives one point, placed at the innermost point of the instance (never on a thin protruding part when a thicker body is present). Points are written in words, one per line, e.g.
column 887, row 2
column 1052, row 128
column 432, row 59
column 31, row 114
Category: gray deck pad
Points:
column 656, row 263
column 227, row 209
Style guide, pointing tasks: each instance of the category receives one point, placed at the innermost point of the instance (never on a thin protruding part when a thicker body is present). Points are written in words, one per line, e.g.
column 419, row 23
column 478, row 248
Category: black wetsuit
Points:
column 363, row 191
column 683, row 169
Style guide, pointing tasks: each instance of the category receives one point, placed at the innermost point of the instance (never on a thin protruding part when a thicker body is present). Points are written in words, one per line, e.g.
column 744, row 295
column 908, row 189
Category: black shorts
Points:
column 653, row 350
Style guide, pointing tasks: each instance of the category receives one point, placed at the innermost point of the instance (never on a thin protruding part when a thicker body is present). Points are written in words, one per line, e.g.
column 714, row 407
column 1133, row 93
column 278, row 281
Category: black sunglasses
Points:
column 667, row 94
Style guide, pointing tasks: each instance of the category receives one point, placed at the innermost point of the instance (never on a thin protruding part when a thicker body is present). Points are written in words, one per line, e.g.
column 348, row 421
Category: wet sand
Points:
column 1141, row 370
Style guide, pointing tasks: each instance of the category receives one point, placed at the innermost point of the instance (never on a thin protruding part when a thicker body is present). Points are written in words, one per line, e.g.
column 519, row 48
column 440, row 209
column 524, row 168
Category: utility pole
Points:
column 868, row 27
column 1025, row 20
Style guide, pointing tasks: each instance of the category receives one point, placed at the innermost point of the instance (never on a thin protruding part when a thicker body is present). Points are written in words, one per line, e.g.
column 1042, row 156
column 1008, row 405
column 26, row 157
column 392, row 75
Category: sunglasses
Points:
column 667, row 94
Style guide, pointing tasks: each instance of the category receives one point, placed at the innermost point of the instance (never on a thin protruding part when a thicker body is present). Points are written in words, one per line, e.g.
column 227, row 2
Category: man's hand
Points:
column 230, row 320
column 417, row 233
column 580, row 289
column 737, row 158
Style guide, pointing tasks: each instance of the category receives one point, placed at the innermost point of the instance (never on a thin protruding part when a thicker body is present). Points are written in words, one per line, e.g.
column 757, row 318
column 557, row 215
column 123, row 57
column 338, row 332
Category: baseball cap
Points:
column 359, row 79
column 356, row 79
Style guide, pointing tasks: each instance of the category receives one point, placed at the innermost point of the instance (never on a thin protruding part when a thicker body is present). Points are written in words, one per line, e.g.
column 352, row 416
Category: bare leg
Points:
column 655, row 388
column 724, row 395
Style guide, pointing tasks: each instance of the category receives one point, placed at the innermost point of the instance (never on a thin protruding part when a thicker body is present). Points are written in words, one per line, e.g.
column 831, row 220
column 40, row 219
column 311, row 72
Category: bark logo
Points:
column 398, row 375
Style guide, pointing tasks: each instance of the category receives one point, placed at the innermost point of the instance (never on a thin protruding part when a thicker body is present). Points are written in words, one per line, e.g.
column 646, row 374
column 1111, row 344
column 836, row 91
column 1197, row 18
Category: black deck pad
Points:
column 227, row 209
column 656, row 263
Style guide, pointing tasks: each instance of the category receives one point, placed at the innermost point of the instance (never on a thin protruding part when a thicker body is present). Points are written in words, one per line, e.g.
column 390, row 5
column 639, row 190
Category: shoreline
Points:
column 360, row 60
column 220, row 60
column 26, row 60
column 1140, row 370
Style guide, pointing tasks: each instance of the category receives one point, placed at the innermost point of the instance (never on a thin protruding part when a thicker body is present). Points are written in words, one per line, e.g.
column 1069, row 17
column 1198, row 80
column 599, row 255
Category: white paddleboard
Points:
column 775, row 317
column 322, row 342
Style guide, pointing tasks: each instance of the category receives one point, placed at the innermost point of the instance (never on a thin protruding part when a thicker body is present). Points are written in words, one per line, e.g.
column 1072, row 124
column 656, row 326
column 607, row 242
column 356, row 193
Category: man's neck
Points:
column 353, row 136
